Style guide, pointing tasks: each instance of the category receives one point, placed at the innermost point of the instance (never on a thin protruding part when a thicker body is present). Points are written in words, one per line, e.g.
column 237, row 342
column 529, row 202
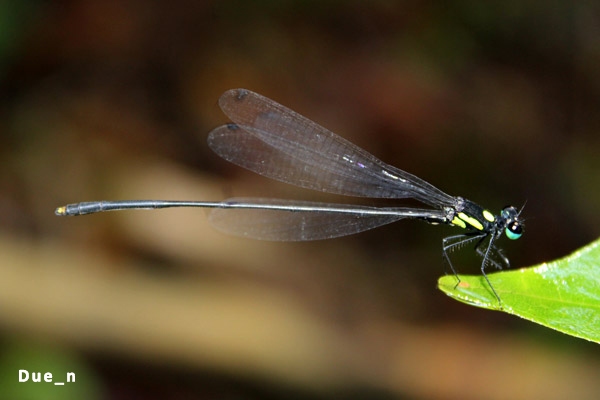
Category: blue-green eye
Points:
column 514, row 230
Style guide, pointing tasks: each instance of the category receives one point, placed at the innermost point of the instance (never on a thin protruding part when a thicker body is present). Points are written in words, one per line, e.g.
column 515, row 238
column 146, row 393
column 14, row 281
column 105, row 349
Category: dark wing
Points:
column 278, row 143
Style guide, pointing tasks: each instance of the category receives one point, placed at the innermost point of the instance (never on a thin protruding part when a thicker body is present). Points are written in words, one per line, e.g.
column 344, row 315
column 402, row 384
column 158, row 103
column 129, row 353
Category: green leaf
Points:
column 562, row 294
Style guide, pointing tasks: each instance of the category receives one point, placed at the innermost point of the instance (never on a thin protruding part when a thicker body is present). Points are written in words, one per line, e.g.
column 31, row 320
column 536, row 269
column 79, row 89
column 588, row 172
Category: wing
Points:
column 291, row 220
column 278, row 143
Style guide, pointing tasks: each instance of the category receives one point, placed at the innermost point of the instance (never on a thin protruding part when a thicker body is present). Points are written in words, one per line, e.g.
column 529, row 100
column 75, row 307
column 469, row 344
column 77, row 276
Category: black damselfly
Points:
column 276, row 142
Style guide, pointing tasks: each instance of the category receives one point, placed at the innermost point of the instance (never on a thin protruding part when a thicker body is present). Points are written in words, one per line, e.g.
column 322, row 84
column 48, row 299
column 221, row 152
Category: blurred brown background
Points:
column 493, row 101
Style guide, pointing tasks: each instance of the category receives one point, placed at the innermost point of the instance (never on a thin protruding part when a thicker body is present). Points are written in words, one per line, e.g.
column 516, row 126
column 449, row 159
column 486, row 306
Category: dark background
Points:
column 493, row 101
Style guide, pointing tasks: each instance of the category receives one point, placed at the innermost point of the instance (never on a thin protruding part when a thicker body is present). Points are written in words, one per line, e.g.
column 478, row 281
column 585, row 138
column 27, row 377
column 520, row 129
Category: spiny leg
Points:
column 489, row 248
column 495, row 255
column 451, row 243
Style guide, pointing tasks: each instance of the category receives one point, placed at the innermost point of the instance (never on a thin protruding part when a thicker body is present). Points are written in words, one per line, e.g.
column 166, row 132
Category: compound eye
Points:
column 514, row 230
column 509, row 212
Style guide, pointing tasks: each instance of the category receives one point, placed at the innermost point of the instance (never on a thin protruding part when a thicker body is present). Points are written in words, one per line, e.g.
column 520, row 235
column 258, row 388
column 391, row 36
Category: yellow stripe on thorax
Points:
column 469, row 220
column 459, row 222
column 488, row 215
